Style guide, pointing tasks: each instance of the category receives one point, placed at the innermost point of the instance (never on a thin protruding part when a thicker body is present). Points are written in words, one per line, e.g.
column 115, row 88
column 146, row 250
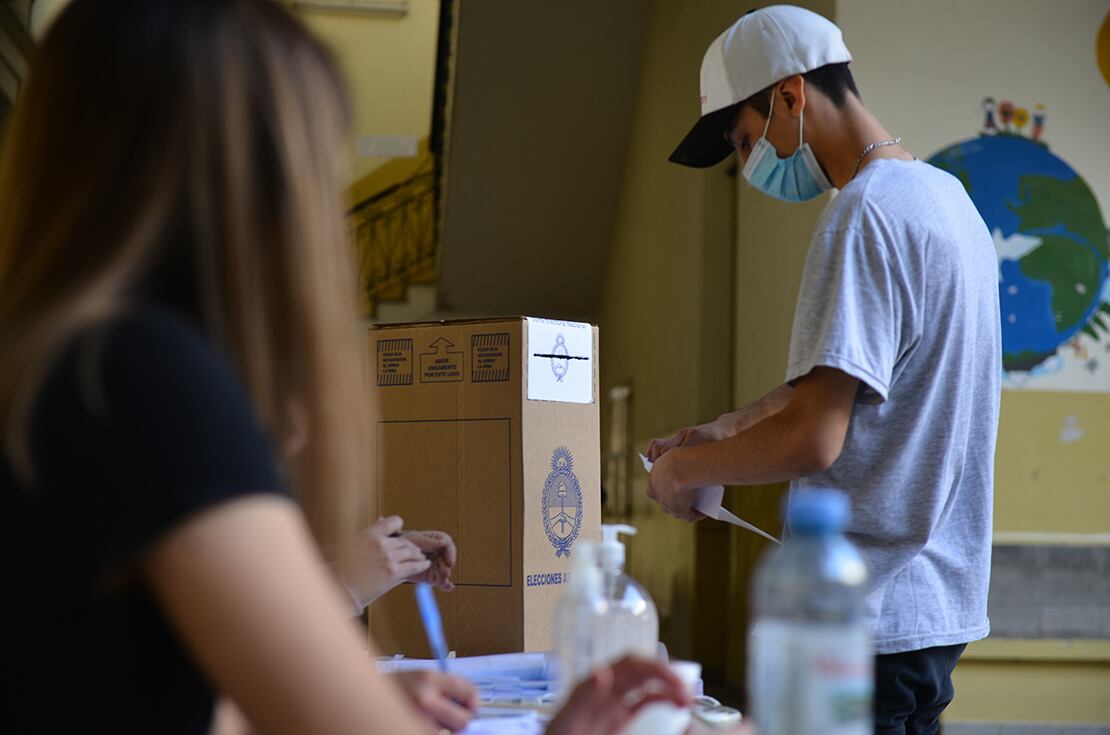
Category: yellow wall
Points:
column 1033, row 681
column 653, row 288
column 1043, row 486
column 389, row 63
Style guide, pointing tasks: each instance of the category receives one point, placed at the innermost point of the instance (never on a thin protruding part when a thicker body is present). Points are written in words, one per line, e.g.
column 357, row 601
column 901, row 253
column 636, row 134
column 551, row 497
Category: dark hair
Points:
column 832, row 80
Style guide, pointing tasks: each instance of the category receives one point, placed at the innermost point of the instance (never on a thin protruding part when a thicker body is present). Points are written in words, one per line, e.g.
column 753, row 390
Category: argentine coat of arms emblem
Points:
column 562, row 503
column 560, row 359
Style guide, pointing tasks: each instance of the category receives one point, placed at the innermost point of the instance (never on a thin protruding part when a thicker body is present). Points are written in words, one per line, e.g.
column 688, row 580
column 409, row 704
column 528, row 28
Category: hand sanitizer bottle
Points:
column 632, row 622
column 579, row 623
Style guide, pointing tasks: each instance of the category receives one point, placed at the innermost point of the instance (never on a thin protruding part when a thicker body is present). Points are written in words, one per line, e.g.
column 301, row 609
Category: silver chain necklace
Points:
column 873, row 146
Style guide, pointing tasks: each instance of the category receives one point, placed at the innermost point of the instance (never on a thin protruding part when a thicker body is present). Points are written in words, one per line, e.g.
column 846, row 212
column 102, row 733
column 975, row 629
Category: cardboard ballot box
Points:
column 488, row 430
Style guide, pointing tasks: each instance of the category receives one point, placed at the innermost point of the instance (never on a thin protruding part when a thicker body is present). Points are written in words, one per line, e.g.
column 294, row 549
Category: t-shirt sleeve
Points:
column 854, row 312
column 159, row 429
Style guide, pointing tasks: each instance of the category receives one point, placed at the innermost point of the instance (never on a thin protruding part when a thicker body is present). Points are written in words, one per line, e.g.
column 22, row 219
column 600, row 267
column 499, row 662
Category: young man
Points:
column 892, row 386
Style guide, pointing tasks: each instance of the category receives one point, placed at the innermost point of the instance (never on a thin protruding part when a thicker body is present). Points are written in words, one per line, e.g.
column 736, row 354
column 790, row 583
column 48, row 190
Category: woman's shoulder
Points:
column 149, row 368
column 145, row 349
column 152, row 391
column 152, row 334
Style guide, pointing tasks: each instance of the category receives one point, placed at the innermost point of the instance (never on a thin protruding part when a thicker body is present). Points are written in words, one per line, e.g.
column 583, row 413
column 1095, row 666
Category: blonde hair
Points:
column 209, row 132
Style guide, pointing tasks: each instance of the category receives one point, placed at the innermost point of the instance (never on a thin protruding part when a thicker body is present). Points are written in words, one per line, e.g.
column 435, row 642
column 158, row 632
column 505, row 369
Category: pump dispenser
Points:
column 632, row 622
column 611, row 551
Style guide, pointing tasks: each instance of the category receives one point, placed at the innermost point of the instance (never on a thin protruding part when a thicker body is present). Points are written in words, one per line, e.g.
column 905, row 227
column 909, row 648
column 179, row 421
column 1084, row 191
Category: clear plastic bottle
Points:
column 579, row 624
column 811, row 665
column 632, row 622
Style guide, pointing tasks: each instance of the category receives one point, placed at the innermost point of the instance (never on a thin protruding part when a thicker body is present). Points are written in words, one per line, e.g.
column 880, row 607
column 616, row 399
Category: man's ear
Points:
column 793, row 93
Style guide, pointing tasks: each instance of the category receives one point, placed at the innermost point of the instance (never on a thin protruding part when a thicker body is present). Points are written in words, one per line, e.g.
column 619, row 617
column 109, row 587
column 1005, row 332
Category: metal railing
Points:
column 394, row 235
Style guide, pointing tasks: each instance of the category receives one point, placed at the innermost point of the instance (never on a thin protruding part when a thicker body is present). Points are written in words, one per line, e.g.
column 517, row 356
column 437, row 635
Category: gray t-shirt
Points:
column 900, row 290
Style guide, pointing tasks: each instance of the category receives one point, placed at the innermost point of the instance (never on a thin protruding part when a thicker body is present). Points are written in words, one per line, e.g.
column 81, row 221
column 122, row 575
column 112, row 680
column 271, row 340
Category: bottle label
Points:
column 811, row 679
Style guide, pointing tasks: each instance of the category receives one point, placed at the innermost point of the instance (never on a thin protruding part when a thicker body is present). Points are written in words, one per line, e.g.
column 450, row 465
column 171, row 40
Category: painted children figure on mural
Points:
column 893, row 379
column 989, row 128
column 1038, row 121
column 1006, row 113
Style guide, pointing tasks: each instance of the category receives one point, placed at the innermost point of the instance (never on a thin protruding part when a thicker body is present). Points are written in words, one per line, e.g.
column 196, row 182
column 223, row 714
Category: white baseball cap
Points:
column 763, row 47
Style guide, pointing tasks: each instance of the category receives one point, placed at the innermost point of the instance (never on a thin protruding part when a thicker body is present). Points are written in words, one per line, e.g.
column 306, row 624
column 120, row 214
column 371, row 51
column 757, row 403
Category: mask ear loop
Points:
column 801, row 124
column 770, row 111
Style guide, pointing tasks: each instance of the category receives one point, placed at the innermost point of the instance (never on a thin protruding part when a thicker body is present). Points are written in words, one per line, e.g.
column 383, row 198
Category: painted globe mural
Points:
column 1053, row 245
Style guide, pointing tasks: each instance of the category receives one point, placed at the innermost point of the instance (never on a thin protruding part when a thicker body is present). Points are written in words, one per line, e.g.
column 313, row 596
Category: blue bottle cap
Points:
column 817, row 511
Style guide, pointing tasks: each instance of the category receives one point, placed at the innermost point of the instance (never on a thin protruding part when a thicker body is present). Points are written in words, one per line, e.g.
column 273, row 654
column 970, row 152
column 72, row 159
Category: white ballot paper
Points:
column 707, row 501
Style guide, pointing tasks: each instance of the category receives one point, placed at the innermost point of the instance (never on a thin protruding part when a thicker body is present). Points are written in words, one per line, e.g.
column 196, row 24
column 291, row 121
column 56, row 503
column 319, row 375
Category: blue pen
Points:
column 433, row 623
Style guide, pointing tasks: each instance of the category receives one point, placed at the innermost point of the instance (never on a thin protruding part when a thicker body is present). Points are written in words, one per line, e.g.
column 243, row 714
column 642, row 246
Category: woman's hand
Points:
column 608, row 699
column 439, row 548
column 383, row 556
column 380, row 560
column 445, row 700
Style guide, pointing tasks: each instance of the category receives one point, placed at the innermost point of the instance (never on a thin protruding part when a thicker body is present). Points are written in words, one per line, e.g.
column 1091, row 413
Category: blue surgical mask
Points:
column 798, row 178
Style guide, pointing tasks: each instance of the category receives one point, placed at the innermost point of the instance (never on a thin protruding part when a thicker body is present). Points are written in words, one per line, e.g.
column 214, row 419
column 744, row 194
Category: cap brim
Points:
column 705, row 145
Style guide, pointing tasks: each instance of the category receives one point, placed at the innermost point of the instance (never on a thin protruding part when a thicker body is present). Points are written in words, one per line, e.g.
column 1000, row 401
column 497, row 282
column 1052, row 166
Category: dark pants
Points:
column 913, row 688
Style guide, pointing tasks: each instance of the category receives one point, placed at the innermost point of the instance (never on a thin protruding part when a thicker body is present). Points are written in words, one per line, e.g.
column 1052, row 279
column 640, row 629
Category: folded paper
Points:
column 707, row 501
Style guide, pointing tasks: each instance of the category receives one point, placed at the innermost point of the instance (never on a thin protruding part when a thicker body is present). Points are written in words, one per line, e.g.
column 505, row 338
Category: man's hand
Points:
column 725, row 426
column 666, row 487
column 439, row 548
column 690, row 436
column 803, row 438
column 447, row 701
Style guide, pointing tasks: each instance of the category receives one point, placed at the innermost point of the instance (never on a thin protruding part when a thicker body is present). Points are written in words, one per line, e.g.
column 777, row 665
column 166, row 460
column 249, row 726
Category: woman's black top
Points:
column 140, row 424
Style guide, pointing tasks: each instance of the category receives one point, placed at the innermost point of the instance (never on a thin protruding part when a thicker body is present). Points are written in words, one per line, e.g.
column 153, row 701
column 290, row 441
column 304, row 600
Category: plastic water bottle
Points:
column 579, row 624
column 632, row 622
column 811, row 665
